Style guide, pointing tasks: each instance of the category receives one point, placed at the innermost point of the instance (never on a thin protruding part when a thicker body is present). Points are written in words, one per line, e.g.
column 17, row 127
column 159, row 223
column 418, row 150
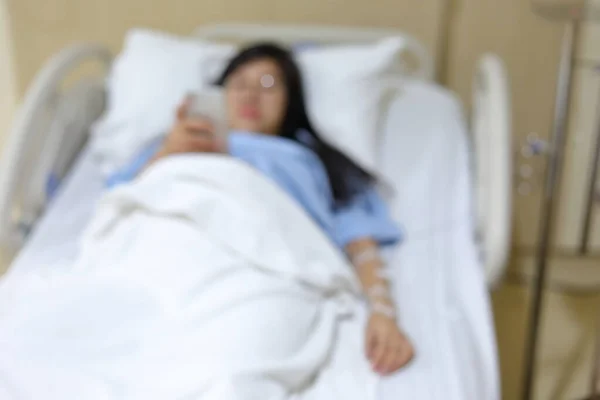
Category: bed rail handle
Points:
column 26, row 134
column 492, row 132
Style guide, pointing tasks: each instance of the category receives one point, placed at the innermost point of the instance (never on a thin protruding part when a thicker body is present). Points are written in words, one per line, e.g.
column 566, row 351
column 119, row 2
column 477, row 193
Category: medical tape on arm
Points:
column 378, row 295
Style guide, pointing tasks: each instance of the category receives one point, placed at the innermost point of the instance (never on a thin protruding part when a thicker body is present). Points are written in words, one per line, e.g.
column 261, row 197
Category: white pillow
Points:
column 148, row 80
column 345, row 86
column 346, row 89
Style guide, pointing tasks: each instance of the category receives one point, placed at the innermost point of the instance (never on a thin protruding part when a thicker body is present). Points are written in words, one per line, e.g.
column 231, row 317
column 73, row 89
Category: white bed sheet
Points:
column 441, row 292
column 440, row 288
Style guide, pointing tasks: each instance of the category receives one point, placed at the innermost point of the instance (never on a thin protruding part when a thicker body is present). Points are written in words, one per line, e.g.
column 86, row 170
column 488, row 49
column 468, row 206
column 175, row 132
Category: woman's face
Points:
column 256, row 97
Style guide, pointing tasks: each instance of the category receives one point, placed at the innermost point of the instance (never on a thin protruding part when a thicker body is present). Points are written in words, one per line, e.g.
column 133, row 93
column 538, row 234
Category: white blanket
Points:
column 200, row 280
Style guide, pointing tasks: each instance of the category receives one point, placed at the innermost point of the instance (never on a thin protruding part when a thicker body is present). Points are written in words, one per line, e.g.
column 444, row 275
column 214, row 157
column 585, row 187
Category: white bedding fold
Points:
column 200, row 280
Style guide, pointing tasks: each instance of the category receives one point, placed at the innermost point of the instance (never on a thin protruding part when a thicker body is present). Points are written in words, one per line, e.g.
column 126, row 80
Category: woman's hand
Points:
column 191, row 135
column 388, row 349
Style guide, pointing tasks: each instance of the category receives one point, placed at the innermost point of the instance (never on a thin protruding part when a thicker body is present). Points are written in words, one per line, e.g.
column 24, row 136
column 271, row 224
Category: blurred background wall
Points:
column 42, row 27
column 8, row 80
column 458, row 32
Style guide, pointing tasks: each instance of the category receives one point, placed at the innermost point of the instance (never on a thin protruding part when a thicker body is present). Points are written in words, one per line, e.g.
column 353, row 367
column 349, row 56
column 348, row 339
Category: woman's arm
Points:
column 364, row 255
column 386, row 346
column 188, row 135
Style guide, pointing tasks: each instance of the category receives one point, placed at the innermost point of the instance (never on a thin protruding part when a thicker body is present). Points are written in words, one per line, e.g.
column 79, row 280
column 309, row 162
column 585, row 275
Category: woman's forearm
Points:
column 364, row 255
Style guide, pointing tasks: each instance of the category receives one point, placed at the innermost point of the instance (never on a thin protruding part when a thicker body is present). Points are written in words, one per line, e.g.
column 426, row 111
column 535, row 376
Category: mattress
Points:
column 439, row 281
column 443, row 301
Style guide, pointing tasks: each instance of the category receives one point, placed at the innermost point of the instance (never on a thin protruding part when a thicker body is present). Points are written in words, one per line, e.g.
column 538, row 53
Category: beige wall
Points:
column 40, row 28
column 530, row 48
column 7, row 85
column 7, row 77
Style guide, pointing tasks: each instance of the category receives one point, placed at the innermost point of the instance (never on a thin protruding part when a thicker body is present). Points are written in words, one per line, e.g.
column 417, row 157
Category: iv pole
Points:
column 552, row 183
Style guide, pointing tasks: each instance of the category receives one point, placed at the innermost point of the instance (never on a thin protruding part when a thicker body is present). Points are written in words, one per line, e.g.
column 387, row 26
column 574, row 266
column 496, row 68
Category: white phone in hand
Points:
column 209, row 103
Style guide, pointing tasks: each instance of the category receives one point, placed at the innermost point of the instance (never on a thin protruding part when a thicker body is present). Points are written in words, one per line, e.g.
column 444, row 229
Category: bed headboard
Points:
column 416, row 60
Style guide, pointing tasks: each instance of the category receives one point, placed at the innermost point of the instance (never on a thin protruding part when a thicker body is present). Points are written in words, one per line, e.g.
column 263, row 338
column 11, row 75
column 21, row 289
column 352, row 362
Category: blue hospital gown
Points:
column 299, row 171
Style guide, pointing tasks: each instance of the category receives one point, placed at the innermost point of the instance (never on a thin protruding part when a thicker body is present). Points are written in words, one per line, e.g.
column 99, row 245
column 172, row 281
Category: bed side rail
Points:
column 49, row 129
column 492, row 136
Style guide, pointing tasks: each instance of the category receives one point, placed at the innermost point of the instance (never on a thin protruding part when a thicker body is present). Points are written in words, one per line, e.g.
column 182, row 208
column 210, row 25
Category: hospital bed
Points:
column 453, row 195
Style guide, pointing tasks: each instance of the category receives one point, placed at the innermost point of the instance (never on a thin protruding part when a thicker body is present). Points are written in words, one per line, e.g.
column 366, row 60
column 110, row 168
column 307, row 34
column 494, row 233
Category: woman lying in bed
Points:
column 268, row 120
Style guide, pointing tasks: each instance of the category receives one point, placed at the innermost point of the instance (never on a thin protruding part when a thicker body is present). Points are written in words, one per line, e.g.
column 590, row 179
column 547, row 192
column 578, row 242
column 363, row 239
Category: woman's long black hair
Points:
column 345, row 177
